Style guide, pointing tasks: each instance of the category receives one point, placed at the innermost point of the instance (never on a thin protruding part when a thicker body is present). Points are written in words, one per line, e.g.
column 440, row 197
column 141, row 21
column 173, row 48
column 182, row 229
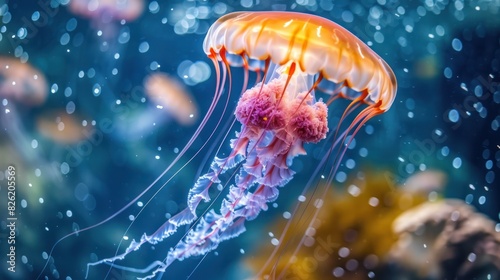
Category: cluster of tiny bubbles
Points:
column 82, row 194
column 193, row 73
column 189, row 17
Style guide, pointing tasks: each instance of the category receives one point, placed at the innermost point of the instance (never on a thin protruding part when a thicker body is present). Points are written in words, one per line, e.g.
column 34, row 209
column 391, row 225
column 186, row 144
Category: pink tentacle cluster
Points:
column 270, row 110
column 274, row 128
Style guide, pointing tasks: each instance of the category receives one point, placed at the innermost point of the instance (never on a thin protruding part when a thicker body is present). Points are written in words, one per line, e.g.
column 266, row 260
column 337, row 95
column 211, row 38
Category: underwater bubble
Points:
column 370, row 261
column 338, row 272
column 456, row 44
column 96, row 90
column 64, row 39
column 349, row 140
column 379, row 37
column 471, row 257
column 448, row 73
column 495, row 124
column 154, row 7
column 69, row 214
column 24, row 203
column 22, row 33
column 481, row 200
column 35, row 16
column 488, row 164
column 490, row 177
column 67, row 92
column 453, row 115
column 70, row 107
column 275, row 241
column 54, row 88
column 143, row 47
column 64, row 168
column 351, row 265
column 124, row 36
column 45, row 255
column 71, row 24
column 347, row 16
column 350, row 163
column 410, row 104
column 457, row 162
column 354, row 190
column 6, row 17
column 154, row 65
column 34, row 143
column 91, row 73
column 369, row 129
column 373, row 201
column 287, row 215
column 445, row 151
column 341, row 177
column 440, row 30
column 363, row 152
column 344, row 252
column 469, row 198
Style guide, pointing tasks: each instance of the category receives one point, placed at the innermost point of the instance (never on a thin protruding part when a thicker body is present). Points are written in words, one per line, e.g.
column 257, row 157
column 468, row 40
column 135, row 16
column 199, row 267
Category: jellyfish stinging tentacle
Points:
column 300, row 56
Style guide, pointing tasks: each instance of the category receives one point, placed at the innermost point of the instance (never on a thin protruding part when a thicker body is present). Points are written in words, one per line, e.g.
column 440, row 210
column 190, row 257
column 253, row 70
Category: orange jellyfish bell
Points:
column 315, row 44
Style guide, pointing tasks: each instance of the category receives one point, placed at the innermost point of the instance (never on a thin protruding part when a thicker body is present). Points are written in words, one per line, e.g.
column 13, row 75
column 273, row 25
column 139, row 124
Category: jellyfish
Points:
column 170, row 94
column 108, row 10
column 294, row 58
column 22, row 87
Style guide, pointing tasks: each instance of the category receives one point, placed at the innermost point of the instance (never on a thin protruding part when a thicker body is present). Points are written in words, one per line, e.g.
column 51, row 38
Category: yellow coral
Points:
column 350, row 237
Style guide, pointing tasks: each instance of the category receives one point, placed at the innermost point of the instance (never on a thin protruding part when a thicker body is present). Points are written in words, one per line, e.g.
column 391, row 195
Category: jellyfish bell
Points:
column 61, row 127
column 295, row 57
column 22, row 83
